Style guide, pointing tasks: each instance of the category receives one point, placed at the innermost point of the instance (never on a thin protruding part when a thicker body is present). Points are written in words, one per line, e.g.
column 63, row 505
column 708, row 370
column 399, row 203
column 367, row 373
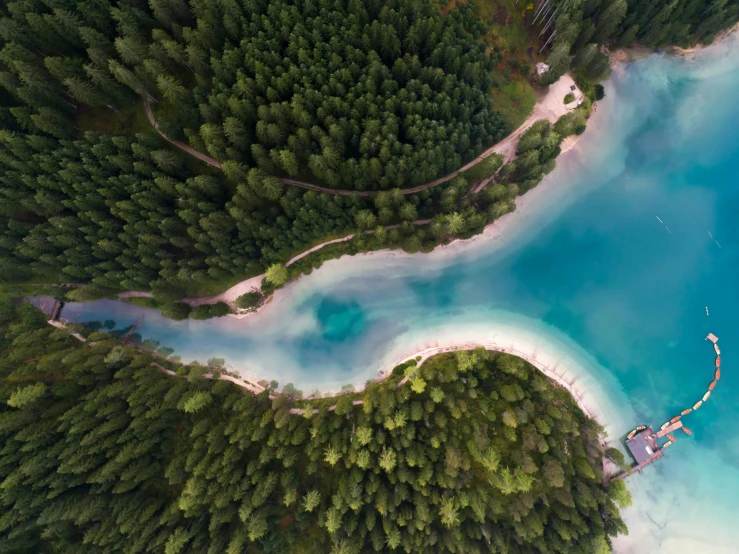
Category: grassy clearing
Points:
column 483, row 170
column 516, row 49
column 515, row 101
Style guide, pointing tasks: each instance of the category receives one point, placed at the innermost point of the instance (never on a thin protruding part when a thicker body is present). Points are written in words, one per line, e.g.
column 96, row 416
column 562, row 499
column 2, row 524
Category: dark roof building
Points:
column 641, row 447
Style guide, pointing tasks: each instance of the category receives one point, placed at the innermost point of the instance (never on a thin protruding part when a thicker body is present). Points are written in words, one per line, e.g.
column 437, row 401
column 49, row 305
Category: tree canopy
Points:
column 107, row 452
column 364, row 95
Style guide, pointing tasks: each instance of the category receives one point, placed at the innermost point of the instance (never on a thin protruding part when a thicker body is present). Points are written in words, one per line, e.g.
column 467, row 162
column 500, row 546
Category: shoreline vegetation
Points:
column 405, row 94
column 549, row 107
column 409, row 364
column 471, row 440
column 254, row 284
column 470, row 451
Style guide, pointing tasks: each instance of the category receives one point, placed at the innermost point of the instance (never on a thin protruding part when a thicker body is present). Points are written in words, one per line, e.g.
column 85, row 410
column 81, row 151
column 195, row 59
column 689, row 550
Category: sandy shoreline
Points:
column 571, row 154
column 568, row 382
column 549, row 106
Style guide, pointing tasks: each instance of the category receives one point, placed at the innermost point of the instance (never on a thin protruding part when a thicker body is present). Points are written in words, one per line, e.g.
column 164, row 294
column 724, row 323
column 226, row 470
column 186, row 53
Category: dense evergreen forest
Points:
column 102, row 451
column 361, row 95
column 581, row 26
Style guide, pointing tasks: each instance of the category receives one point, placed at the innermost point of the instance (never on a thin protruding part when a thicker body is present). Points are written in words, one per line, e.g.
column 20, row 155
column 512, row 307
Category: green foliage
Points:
column 569, row 98
column 249, row 300
column 276, row 274
column 538, row 149
column 515, row 101
column 600, row 92
column 231, row 471
column 197, row 402
column 206, row 311
column 356, row 95
column 380, row 96
column 177, row 311
column 24, row 396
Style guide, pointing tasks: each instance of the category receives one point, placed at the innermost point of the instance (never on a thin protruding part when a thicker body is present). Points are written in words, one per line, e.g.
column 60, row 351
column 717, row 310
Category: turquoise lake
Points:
column 584, row 274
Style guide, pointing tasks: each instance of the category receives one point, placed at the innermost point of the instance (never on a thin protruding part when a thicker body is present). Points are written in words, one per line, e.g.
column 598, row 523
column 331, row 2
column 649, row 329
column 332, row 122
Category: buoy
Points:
column 665, row 424
column 712, row 385
column 705, row 396
column 718, row 361
column 687, row 431
column 672, row 439
column 631, row 435
column 668, row 443
column 718, row 374
column 675, row 419
column 698, row 404
column 686, row 411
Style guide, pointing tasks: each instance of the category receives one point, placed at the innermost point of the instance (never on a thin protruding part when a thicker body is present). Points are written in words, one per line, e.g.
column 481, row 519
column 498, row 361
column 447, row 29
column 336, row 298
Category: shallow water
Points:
column 585, row 275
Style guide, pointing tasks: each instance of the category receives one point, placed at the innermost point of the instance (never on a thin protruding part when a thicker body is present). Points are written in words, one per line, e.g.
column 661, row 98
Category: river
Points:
column 605, row 271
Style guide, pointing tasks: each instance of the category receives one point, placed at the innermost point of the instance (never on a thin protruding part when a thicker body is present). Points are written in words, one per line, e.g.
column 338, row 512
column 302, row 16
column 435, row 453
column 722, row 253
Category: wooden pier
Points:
column 657, row 455
column 669, row 429
column 642, row 442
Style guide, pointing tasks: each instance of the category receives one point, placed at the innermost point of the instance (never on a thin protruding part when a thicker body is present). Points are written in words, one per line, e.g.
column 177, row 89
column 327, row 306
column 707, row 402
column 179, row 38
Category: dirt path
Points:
column 177, row 143
column 230, row 295
column 550, row 105
column 255, row 388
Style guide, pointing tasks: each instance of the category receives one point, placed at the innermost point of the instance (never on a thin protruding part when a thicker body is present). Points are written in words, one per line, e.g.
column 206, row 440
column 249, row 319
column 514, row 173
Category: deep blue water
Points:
column 587, row 269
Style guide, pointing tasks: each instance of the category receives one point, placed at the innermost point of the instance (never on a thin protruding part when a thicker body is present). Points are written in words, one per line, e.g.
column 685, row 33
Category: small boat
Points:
column 705, row 396
column 712, row 385
column 664, row 425
column 718, row 374
column 698, row 404
column 718, row 361
column 631, row 435
column 686, row 411
column 668, row 443
column 715, row 347
column 641, row 427
column 672, row 439
column 687, row 431
column 675, row 419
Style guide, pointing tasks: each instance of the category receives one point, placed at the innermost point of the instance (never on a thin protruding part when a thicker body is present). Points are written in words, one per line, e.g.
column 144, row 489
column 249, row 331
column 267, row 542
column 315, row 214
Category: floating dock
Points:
column 669, row 429
column 642, row 442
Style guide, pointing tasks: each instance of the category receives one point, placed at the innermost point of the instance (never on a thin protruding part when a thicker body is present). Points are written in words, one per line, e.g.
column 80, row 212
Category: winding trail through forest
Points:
column 230, row 295
column 549, row 106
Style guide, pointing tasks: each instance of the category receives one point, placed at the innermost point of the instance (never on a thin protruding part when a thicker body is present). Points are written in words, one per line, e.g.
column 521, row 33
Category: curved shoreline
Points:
column 424, row 355
column 549, row 106
column 494, row 229
column 494, row 347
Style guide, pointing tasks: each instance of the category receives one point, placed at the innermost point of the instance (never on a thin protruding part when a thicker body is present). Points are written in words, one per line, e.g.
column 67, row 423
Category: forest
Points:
column 362, row 96
column 102, row 451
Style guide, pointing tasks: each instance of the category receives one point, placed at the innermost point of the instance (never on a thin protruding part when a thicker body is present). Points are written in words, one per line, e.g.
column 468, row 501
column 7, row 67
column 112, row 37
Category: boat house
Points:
column 641, row 447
